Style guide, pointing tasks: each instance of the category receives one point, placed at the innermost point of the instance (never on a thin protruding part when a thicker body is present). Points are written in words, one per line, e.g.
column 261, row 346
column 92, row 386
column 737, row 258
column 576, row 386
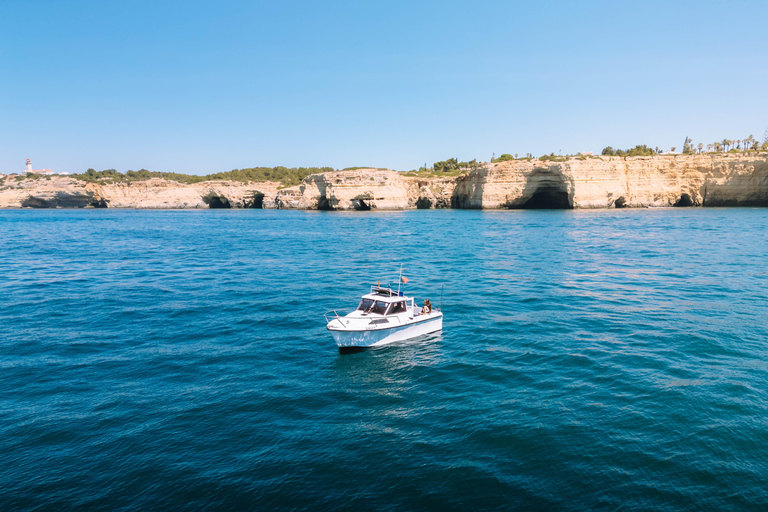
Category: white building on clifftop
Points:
column 28, row 169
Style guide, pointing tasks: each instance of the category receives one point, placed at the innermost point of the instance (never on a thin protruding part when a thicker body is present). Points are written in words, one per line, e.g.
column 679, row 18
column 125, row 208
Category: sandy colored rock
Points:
column 360, row 189
column 64, row 192
column 731, row 179
column 608, row 182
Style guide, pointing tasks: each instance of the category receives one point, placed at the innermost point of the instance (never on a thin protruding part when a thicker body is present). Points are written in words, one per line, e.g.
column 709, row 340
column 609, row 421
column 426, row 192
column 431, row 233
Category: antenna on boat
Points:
column 441, row 296
column 400, row 279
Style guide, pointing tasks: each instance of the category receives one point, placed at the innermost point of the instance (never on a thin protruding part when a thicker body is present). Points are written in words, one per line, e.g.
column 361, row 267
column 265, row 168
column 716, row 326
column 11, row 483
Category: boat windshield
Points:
column 372, row 306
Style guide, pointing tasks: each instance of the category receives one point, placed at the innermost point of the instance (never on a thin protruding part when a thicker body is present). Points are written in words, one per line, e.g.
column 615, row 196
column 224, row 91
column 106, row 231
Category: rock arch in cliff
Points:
column 361, row 205
column 546, row 189
column 362, row 202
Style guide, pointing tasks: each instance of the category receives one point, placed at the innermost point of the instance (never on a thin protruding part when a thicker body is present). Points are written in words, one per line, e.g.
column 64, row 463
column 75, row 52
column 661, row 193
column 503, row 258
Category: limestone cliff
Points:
column 733, row 179
column 360, row 189
column 63, row 192
column 606, row 182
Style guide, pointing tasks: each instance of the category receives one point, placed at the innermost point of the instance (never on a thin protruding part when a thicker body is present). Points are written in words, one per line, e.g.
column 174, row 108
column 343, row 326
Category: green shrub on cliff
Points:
column 553, row 158
column 452, row 164
column 505, row 157
column 450, row 167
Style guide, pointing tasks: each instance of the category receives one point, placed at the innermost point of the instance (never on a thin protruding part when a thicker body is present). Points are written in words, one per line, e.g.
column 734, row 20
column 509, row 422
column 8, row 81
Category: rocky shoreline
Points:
column 725, row 179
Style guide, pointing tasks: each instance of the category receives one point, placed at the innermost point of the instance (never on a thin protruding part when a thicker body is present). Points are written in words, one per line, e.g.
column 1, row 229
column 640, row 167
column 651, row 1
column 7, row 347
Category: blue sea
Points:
column 589, row 360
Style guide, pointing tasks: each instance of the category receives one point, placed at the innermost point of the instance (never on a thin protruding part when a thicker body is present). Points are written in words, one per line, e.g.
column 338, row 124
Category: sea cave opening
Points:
column 684, row 201
column 548, row 198
column 214, row 201
column 324, row 204
column 545, row 189
column 258, row 201
column 423, row 203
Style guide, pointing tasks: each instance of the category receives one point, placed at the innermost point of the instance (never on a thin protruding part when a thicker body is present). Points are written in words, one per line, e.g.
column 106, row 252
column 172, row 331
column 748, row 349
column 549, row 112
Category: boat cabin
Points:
column 384, row 302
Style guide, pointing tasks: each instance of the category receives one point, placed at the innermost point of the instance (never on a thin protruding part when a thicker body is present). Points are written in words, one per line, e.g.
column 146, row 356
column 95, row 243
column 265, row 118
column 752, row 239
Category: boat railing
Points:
column 334, row 316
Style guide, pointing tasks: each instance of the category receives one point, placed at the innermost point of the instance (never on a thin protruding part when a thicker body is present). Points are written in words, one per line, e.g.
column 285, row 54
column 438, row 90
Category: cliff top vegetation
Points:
column 287, row 176
column 291, row 176
column 746, row 144
column 639, row 150
column 450, row 167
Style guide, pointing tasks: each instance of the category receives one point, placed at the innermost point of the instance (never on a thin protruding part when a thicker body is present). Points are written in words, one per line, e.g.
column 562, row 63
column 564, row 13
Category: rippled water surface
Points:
column 179, row 359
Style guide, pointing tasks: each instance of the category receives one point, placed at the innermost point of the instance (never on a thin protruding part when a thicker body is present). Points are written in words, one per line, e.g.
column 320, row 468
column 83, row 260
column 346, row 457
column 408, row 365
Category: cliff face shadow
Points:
column 744, row 190
column 64, row 200
column 546, row 189
column 468, row 193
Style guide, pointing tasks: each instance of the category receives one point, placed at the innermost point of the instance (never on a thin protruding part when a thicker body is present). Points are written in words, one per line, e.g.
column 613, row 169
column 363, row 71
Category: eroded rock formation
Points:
column 360, row 189
column 63, row 192
column 615, row 182
column 733, row 179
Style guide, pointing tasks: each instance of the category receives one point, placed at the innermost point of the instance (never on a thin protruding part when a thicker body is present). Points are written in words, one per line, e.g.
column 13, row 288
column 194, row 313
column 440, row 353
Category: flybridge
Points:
column 385, row 292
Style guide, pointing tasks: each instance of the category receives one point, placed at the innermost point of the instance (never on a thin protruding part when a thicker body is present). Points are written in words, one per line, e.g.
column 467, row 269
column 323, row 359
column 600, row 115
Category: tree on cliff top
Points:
column 452, row 164
column 446, row 165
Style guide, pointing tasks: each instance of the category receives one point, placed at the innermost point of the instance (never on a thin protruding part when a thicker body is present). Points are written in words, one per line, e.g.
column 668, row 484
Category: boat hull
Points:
column 378, row 337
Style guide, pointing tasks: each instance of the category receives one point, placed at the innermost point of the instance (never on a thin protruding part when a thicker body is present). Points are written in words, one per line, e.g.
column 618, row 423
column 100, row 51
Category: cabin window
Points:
column 397, row 307
column 380, row 307
column 372, row 306
column 365, row 304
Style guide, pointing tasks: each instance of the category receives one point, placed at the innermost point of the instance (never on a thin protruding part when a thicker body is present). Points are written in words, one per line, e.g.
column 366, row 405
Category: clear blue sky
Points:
column 199, row 87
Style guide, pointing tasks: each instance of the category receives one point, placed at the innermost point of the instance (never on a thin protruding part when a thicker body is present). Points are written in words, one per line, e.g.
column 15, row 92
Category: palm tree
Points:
column 672, row 150
column 725, row 143
column 700, row 146
column 709, row 148
column 718, row 147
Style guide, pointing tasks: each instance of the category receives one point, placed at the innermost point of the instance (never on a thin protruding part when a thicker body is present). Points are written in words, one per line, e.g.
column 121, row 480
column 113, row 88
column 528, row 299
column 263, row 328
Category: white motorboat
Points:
column 383, row 316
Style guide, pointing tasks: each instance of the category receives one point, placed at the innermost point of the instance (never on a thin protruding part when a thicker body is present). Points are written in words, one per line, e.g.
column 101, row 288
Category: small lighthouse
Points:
column 28, row 168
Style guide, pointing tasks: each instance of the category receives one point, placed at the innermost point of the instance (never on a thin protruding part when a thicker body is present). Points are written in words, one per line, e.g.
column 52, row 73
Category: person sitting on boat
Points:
column 427, row 307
